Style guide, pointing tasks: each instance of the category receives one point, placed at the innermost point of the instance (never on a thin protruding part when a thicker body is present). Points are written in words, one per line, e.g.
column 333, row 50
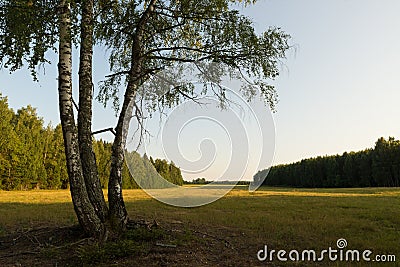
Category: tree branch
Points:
column 117, row 74
column 177, row 59
column 104, row 130
column 76, row 106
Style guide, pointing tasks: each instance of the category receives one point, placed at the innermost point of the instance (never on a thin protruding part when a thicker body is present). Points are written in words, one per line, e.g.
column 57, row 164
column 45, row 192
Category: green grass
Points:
column 282, row 218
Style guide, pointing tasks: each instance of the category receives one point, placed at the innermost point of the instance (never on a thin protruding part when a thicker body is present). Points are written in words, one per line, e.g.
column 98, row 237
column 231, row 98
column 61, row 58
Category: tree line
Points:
column 378, row 166
column 142, row 171
column 32, row 155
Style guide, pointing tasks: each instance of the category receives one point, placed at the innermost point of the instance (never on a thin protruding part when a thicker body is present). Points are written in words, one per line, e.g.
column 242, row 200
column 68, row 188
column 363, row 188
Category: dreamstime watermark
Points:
column 339, row 253
column 218, row 126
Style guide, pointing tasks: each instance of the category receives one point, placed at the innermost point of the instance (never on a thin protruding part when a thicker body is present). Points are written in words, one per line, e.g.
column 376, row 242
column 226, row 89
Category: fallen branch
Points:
column 74, row 243
column 141, row 223
column 33, row 241
column 14, row 240
column 165, row 245
column 226, row 242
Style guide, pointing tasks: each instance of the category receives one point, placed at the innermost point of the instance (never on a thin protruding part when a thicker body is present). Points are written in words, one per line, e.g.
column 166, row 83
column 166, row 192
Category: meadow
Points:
column 234, row 228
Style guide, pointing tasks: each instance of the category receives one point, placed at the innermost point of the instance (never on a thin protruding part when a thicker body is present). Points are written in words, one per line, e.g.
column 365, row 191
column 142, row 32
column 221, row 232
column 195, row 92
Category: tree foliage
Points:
column 32, row 155
column 161, row 34
column 379, row 166
column 28, row 29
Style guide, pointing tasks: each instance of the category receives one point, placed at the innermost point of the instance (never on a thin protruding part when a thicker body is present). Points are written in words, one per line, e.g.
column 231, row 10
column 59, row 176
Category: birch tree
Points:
column 143, row 37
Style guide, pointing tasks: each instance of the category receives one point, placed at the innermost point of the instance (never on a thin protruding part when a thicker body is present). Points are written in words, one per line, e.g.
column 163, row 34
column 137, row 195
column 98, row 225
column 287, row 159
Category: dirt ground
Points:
column 179, row 246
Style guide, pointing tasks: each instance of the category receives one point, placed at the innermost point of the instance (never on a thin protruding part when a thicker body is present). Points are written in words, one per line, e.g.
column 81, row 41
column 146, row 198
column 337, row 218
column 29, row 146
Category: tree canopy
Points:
column 379, row 166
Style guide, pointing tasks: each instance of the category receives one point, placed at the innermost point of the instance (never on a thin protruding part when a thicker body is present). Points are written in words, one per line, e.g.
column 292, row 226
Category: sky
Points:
column 338, row 88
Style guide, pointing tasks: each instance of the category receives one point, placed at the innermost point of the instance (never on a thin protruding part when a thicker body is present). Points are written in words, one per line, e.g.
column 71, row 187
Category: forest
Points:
column 374, row 167
column 32, row 155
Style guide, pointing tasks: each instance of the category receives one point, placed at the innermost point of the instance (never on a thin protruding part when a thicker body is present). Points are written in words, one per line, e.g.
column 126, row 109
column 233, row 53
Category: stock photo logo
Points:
column 339, row 253
column 215, row 124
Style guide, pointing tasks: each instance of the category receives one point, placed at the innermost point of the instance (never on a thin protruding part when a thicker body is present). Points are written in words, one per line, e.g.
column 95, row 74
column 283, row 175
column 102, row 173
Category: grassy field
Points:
column 281, row 218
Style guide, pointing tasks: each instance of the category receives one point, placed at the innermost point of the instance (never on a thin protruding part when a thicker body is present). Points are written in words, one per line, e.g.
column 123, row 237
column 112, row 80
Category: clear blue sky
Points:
column 339, row 89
